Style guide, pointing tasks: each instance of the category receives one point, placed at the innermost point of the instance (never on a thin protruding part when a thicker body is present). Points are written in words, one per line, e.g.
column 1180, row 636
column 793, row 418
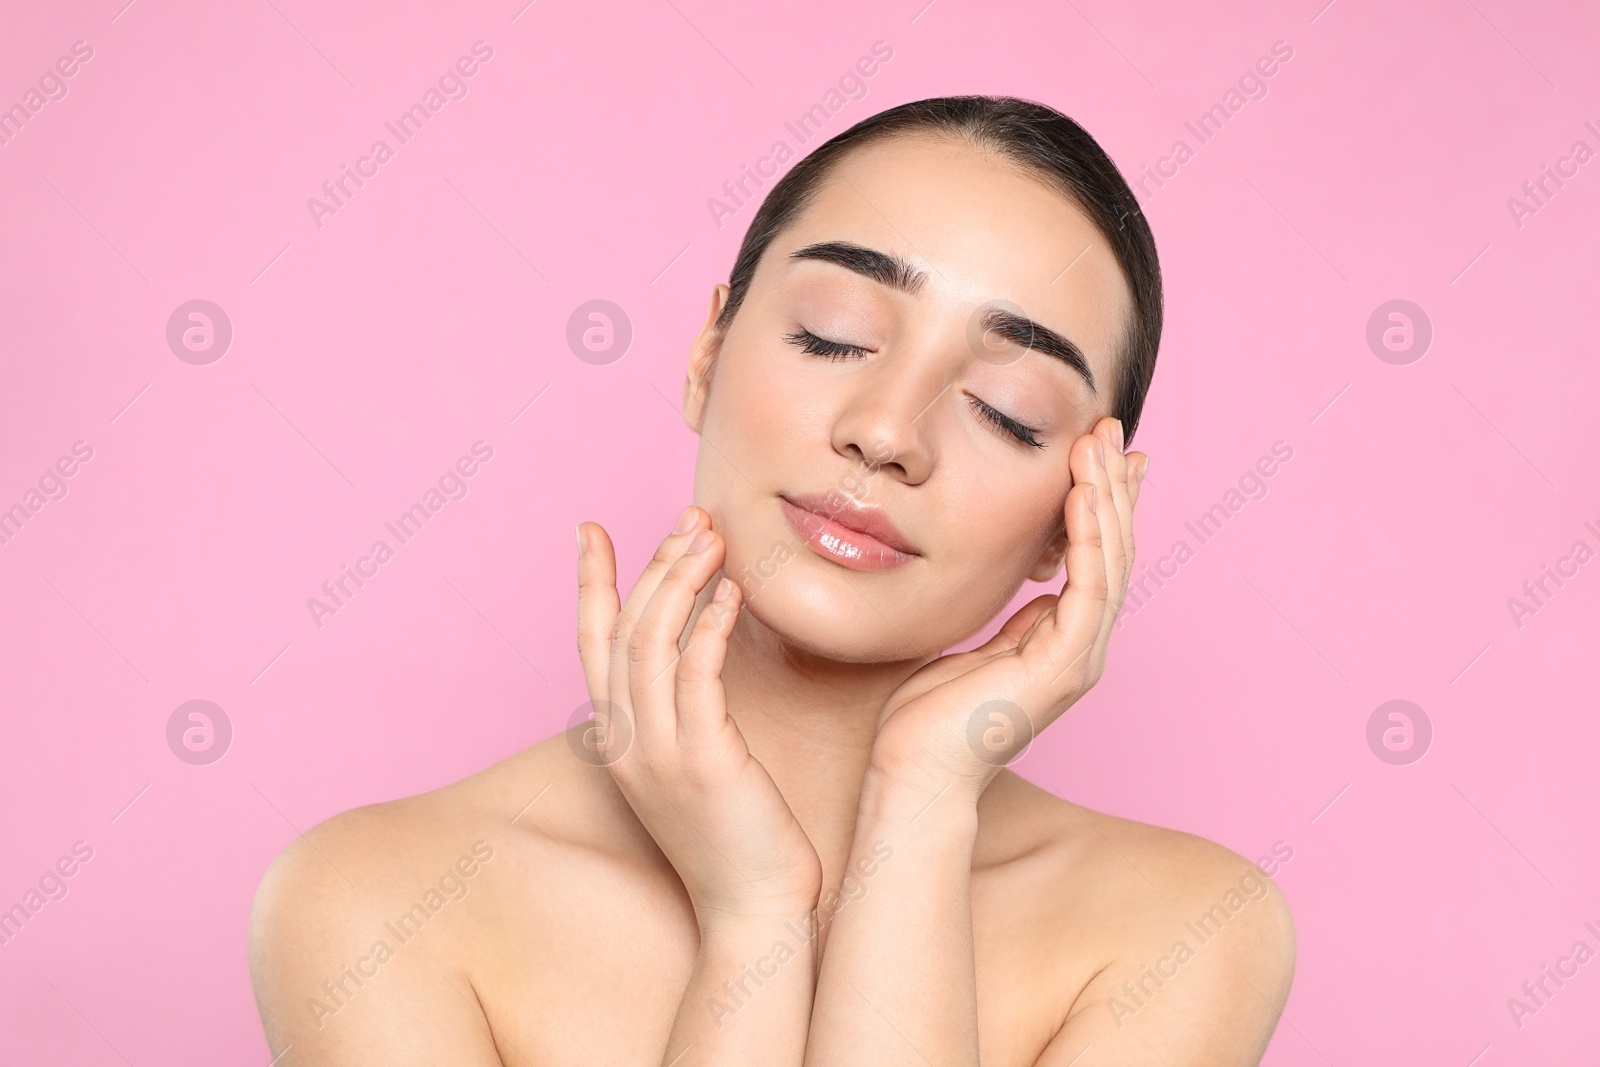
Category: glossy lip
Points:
column 838, row 529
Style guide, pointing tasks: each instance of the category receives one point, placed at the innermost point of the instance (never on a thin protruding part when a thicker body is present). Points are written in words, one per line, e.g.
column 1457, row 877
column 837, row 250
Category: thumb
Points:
column 1016, row 628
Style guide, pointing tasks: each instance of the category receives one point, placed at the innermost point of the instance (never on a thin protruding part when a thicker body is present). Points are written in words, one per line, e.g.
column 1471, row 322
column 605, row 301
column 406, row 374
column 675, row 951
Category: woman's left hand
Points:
column 961, row 718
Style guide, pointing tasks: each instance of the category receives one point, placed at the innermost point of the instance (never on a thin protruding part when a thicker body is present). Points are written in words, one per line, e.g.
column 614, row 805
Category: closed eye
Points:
column 1005, row 424
column 837, row 350
column 821, row 346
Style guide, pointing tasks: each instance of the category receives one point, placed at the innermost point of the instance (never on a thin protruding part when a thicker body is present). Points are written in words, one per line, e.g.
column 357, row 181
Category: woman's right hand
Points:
column 665, row 734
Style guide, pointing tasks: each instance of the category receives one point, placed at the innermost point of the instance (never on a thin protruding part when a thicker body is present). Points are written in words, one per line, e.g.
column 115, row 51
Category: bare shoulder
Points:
column 1191, row 946
column 363, row 929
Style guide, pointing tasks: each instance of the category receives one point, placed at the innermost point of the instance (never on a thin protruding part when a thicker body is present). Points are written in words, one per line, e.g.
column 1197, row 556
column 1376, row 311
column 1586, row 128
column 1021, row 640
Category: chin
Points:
column 838, row 634
column 824, row 610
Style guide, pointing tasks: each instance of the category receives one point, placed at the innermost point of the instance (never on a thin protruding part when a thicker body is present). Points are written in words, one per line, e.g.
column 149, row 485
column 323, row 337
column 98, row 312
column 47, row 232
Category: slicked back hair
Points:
column 1048, row 145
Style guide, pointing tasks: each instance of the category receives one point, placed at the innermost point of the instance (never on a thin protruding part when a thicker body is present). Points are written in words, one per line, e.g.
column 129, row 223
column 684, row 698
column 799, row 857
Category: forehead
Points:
column 981, row 228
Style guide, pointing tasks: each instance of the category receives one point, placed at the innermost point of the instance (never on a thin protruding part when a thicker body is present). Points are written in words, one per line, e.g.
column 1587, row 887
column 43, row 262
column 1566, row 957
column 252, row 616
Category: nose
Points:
column 887, row 422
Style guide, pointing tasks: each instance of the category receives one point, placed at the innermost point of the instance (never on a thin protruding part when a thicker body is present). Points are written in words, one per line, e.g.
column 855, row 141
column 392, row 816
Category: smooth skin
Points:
column 778, row 844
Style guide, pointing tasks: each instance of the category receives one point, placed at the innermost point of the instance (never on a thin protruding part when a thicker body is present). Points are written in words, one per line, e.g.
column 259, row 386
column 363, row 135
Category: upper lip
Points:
column 873, row 522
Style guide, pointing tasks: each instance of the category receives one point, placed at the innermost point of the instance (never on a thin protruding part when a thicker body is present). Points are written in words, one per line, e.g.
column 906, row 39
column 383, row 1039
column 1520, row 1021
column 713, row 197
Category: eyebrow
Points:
column 898, row 274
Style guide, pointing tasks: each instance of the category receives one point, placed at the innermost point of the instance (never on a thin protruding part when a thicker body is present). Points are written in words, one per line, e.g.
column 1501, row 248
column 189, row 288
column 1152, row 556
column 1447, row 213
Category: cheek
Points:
column 752, row 445
column 1006, row 519
column 755, row 400
column 995, row 541
column 768, row 426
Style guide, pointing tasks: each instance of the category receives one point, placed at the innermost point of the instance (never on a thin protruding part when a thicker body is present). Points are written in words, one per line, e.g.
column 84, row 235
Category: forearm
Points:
column 897, row 983
column 749, row 997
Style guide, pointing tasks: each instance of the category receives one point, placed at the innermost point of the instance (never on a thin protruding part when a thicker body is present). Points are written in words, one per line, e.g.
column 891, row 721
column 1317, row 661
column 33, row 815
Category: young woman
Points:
column 789, row 836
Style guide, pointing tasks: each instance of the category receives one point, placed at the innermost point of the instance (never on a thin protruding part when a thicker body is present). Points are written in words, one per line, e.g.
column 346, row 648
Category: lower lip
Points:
column 844, row 546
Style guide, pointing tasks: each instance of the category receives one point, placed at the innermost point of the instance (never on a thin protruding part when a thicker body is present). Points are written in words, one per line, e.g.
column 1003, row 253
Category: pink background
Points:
column 370, row 353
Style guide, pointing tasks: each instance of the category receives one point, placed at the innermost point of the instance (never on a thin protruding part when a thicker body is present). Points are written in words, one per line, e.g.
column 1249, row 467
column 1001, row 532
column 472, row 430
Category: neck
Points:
column 811, row 722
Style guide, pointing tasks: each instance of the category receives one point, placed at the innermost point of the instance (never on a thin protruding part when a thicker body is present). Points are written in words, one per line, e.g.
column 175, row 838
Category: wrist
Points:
column 898, row 794
column 753, row 926
column 908, row 756
column 899, row 770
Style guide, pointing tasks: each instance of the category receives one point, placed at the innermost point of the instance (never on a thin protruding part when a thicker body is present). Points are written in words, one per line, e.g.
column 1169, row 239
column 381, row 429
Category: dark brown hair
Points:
column 1048, row 145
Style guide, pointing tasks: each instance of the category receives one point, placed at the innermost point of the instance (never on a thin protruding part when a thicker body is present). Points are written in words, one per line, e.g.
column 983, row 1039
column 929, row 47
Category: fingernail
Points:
column 685, row 521
column 583, row 542
column 724, row 587
column 1100, row 449
column 1120, row 439
column 1094, row 496
column 700, row 542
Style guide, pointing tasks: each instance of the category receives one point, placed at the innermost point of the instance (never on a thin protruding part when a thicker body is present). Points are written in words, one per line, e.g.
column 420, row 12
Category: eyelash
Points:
column 836, row 350
column 818, row 346
column 1010, row 426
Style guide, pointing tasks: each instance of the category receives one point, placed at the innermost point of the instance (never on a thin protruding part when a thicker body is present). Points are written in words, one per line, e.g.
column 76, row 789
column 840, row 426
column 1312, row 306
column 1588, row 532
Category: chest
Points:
column 593, row 972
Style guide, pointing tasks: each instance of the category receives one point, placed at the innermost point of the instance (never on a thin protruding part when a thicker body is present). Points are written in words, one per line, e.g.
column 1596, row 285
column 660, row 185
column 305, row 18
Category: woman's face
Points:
column 907, row 406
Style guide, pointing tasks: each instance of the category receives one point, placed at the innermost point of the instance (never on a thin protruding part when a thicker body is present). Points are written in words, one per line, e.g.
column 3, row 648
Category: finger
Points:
column 1138, row 463
column 653, row 653
column 1116, row 523
column 598, row 605
column 667, row 552
column 698, row 690
column 1063, row 650
column 1116, row 511
column 671, row 547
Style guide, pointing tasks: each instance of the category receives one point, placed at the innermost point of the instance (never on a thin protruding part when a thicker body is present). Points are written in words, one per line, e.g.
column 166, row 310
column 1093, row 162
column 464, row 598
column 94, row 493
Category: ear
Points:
column 702, row 359
column 1052, row 558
